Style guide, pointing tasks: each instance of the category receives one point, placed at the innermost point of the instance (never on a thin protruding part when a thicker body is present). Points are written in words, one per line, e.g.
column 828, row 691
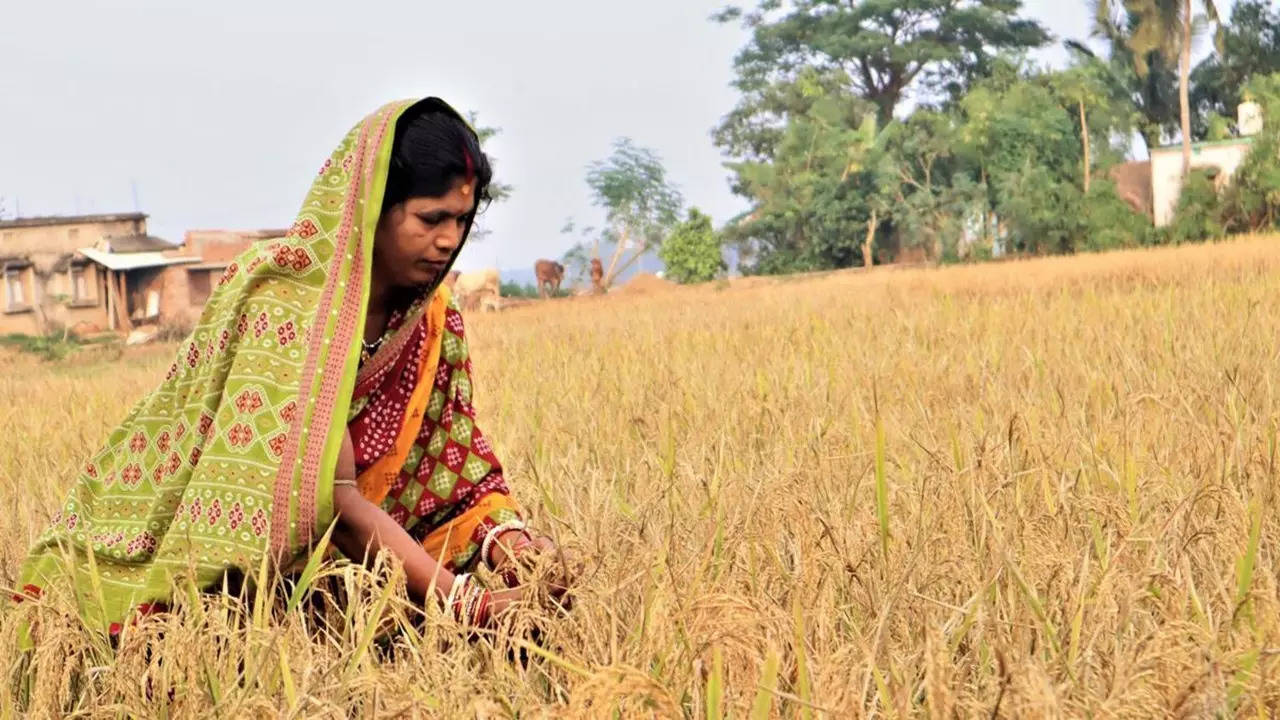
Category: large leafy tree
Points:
column 924, row 193
column 820, row 82
column 887, row 49
column 1250, row 47
column 805, row 180
column 1034, row 139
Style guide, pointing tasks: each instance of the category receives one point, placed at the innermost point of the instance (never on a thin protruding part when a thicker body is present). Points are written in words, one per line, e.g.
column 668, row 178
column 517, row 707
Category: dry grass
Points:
column 1042, row 488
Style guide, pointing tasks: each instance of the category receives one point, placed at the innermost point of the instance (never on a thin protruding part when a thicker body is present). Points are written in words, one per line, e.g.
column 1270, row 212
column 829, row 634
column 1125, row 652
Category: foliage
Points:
column 1044, row 214
column 1144, row 77
column 887, row 49
column 46, row 347
column 943, row 183
column 924, row 192
column 1251, row 202
column 516, row 290
column 1250, row 48
column 641, row 206
column 1197, row 216
column 810, row 191
column 1110, row 222
column 692, row 253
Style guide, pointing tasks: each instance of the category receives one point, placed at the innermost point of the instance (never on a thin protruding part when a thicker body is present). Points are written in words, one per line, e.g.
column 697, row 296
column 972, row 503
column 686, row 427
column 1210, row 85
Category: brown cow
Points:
column 451, row 278
column 549, row 273
column 597, row 276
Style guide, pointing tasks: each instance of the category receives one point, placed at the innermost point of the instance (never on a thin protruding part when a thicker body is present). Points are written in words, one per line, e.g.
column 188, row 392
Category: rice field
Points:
column 1043, row 488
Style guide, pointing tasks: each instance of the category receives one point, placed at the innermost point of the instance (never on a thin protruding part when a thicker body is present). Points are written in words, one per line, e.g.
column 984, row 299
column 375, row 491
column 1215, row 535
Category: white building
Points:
column 1224, row 155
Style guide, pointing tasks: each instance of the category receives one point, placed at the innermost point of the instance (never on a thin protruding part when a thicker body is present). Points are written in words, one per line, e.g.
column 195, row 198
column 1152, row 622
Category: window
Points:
column 79, row 283
column 13, row 288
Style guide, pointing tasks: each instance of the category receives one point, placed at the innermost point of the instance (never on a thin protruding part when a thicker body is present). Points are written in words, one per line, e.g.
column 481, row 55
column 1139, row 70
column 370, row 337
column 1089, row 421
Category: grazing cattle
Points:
column 451, row 279
column 478, row 290
column 549, row 273
column 597, row 276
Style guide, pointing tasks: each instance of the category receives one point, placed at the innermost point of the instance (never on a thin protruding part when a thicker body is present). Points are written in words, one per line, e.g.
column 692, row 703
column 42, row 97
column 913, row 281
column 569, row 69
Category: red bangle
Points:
column 472, row 605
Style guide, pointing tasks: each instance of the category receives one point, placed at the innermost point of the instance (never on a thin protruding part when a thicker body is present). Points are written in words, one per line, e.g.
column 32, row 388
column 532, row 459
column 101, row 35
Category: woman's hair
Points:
column 434, row 149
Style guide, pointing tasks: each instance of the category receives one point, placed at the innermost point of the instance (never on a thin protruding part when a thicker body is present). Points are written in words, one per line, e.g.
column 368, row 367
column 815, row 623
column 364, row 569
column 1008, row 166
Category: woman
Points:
column 328, row 379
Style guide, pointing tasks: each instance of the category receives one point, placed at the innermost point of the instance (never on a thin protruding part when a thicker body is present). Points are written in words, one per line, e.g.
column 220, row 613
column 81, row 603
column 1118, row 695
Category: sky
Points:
column 217, row 115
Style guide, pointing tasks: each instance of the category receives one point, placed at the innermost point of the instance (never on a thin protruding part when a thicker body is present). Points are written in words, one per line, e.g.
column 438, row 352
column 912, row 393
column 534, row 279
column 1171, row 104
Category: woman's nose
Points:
column 448, row 238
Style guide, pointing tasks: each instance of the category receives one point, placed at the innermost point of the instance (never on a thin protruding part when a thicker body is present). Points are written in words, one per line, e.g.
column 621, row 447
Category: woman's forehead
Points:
column 460, row 198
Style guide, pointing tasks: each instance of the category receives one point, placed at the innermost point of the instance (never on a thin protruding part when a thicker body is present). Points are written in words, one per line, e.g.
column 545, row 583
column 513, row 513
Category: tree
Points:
column 820, row 80
column 640, row 205
column 1250, row 48
column 692, row 252
column 1078, row 88
column 1167, row 27
column 886, row 48
column 1251, row 202
column 1034, row 138
column 924, row 192
column 808, row 183
column 1146, row 78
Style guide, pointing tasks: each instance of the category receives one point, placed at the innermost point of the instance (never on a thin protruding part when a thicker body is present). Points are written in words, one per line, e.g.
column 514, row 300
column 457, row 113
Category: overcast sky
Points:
column 219, row 114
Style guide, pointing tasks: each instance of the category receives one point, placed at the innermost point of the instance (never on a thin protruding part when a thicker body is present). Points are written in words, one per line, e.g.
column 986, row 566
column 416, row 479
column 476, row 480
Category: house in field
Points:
column 1152, row 187
column 1223, row 157
column 104, row 272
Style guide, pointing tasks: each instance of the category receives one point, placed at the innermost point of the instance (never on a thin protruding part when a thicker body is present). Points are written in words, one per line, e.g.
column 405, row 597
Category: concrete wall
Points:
column 1166, row 171
column 55, row 296
column 19, row 318
column 62, row 239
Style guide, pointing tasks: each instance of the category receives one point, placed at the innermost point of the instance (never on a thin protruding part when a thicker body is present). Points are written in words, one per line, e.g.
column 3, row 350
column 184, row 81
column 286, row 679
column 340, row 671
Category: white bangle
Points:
column 459, row 581
column 493, row 534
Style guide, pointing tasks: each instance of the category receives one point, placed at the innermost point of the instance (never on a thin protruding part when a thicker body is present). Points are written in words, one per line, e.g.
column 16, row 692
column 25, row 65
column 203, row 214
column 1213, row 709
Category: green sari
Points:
column 232, row 458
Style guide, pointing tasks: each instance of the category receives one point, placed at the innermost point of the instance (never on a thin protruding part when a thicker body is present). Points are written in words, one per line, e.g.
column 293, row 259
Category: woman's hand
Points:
column 504, row 601
column 514, row 549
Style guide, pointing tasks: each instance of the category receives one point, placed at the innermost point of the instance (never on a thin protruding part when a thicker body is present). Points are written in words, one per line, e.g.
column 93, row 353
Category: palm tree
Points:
column 1166, row 27
column 1151, row 90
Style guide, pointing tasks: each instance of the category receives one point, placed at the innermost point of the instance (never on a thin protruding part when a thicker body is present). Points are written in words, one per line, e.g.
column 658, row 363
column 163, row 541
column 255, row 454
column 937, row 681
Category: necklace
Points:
column 367, row 349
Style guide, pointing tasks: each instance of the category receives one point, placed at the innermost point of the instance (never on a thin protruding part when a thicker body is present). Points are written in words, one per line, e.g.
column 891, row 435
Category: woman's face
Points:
column 416, row 238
